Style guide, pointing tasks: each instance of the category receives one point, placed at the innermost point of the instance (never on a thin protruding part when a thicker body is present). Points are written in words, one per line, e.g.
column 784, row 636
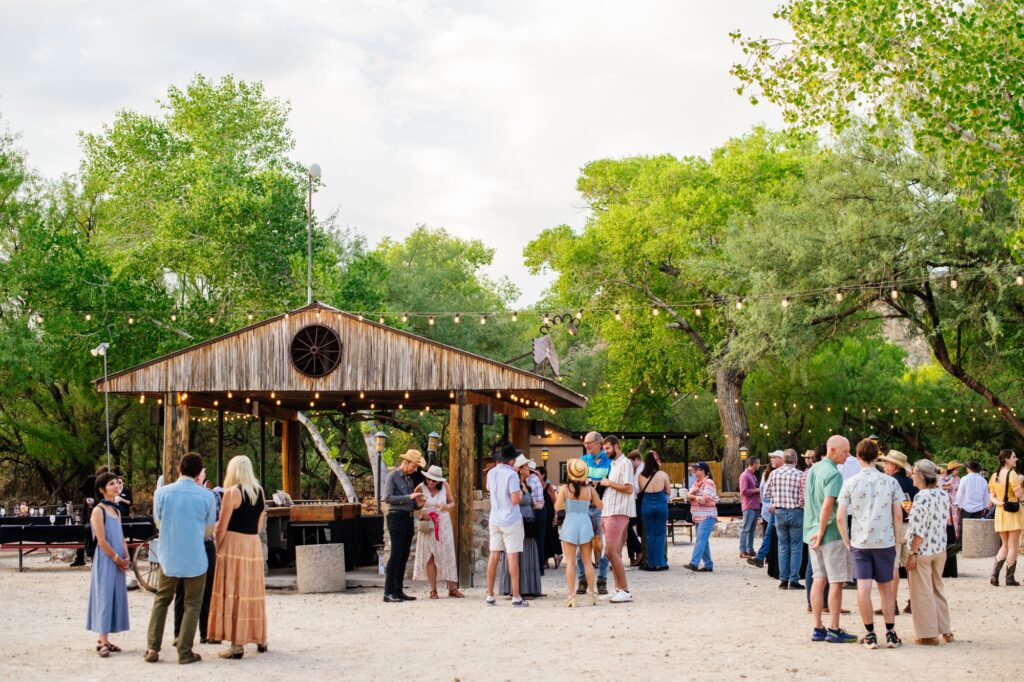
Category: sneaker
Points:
column 840, row 636
column 869, row 641
column 692, row 567
column 796, row 586
column 520, row 602
column 783, row 584
column 705, row 569
column 621, row 597
column 892, row 640
column 819, row 635
column 582, row 587
column 756, row 562
column 602, row 586
column 490, row 601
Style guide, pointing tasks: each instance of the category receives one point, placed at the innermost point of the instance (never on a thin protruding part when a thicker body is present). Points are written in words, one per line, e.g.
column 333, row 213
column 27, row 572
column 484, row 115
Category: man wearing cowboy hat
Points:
column 896, row 465
column 402, row 498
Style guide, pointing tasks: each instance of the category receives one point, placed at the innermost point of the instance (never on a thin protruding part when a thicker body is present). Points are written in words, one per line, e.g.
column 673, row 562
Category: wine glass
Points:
column 53, row 519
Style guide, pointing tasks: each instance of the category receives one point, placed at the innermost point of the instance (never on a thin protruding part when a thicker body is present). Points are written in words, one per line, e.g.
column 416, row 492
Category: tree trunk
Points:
column 321, row 446
column 729, row 392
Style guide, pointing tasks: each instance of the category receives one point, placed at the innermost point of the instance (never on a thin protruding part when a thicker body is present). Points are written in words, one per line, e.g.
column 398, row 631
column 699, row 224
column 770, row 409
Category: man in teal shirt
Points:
column 598, row 467
column 830, row 560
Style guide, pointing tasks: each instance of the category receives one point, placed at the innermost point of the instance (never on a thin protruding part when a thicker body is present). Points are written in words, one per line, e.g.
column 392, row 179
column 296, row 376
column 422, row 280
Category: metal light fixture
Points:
column 379, row 440
column 743, row 453
column 101, row 351
column 433, row 444
column 544, row 453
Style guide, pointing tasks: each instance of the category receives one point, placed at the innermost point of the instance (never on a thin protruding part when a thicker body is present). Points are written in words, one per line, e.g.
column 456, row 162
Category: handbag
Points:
column 425, row 526
column 1009, row 507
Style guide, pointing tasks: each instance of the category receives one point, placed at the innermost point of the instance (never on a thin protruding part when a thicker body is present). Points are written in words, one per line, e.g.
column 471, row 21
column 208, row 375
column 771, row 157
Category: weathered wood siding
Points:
column 373, row 358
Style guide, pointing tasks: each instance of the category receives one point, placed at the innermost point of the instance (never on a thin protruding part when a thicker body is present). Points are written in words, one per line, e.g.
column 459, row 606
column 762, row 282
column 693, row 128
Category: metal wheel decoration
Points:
column 316, row 350
column 146, row 564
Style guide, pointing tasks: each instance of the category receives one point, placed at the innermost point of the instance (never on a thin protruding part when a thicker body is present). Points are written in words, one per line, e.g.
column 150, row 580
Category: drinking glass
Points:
column 53, row 519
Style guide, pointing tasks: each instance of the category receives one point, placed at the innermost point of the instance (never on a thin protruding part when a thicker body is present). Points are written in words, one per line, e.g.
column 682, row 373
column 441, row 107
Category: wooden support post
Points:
column 263, row 451
column 291, row 459
column 460, row 476
column 175, row 435
column 220, row 446
column 520, row 434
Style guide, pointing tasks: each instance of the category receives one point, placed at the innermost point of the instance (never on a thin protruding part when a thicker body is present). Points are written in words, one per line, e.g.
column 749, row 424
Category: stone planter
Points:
column 320, row 568
column 979, row 538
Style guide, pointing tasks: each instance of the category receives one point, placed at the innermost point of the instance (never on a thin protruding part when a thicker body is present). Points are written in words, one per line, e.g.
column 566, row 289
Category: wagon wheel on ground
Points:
column 146, row 564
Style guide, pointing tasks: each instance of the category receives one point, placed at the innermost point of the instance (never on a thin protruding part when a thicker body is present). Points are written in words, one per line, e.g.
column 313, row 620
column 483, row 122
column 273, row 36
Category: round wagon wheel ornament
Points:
column 315, row 350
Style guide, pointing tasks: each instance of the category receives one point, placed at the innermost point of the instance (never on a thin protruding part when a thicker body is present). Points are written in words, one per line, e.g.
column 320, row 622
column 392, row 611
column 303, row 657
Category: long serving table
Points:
column 31, row 537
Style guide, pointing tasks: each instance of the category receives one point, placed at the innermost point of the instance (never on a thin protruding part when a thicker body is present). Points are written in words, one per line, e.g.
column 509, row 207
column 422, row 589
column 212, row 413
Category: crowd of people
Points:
column 210, row 562
column 862, row 521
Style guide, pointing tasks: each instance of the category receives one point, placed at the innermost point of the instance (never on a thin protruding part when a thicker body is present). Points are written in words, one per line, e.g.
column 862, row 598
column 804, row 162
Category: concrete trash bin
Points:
column 320, row 568
column 980, row 539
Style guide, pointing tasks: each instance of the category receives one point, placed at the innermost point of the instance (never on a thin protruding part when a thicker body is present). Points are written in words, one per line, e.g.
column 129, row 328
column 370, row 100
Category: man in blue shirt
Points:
column 599, row 465
column 185, row 512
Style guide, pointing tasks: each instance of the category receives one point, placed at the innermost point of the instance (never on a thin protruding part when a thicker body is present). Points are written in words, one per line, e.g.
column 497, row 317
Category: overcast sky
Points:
column 475, row 116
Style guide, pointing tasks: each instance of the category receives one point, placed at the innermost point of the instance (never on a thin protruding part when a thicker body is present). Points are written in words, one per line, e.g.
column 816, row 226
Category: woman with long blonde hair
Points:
column 238, row 612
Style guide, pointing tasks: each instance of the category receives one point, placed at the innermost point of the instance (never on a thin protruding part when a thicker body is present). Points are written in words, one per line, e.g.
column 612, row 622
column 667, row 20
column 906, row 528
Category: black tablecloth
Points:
column 360, row 536
column 134, row 531
column 61, row 520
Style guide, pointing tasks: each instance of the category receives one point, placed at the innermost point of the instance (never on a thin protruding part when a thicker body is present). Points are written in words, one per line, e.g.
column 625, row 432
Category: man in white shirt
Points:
column 505, row 522
column 619, row 507
column 972, row 496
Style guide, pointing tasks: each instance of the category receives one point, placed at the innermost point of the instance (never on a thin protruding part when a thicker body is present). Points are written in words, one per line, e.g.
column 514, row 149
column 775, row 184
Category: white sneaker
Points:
column 621, row 597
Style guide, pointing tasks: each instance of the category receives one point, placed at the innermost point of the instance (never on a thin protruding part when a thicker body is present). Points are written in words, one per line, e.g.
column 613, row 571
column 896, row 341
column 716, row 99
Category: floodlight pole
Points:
column 106, row 401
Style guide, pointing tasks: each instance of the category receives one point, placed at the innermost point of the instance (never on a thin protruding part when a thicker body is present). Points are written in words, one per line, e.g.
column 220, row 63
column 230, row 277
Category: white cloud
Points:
column 472, row 115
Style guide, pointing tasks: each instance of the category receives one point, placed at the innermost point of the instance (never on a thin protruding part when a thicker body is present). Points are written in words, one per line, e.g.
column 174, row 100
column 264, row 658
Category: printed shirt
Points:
column 705, row 506
column 184, row 511
column 536, row 491
column 616, row 503
column 597, row 467
column 973, row 495
column 824, row 481
column 502, row 481
column 784, row 487
column 803, row 485
column 750, row 493
column 928, row 519
column 869, row 497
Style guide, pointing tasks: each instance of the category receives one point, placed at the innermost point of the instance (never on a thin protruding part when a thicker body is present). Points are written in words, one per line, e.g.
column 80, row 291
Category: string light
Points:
column 131, row 320
column 230, row 395
column 696, row 311
column 316, row 395
column 483, row 319
column 547, row 319
column 380, row 320
column 430, row 321
column 249, row 317
column 405, row 317
column 894, row 294
column 210, row 319
column 839, row 296
column 515, row 316
column 273, row 395
column 739, row 304
column 174, row 317
column 618, row 316
column 361, row 395
column 579, row 314
column 88, row 317
column 655, row 311
column 457, row 318
column 953, row 284
column 785, row 302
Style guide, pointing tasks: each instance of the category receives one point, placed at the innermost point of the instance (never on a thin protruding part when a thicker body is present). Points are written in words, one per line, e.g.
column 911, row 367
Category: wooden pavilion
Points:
column 322, row 359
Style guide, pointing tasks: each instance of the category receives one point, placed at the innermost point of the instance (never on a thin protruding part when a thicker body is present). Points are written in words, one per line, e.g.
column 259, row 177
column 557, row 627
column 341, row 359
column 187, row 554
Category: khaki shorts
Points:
column 831, row 561
column 507, row 538
column 902, row 554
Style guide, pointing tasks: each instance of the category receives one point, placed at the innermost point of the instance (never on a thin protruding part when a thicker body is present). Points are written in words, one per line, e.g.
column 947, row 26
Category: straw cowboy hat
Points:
column 414, row 456
column 898, row 458
column 953, row 465
column 576, row 470
column 434, row 473
column 520, row 461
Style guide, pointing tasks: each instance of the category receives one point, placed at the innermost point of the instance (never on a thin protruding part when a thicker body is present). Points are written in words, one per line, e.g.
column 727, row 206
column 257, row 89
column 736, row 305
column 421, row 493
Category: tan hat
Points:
column 414, row 456
column 953, row 465
column 520, row 461
column 898, row 458
column 576, row 470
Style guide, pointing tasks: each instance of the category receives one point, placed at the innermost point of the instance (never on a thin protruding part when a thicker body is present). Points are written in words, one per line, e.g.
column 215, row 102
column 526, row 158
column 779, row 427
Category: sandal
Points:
column 151, row 656
column 104, row 650
column 455, row 594
column 570, row 601
column 114, row 649
column 262, row 648
column 433, row 594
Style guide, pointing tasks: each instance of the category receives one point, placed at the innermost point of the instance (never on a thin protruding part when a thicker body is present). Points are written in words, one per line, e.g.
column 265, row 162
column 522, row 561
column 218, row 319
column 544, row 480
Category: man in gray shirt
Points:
column 402, row 499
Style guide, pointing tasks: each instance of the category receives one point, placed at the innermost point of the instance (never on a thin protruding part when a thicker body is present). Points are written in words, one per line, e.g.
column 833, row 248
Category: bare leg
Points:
column 887, row 593
column 864, row 601
column 513, row 573
column 835, row 605
column 613, row 552
column 432, row 575
column 586, row 551
column 570, row 568
column 1004, row 543
column 1012, row 541
column 895, row 591
column 492, row 571
column 818, row 599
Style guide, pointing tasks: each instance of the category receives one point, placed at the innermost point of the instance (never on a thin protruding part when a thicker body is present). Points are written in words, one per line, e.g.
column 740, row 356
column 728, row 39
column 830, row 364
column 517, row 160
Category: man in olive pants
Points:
column 185, row 512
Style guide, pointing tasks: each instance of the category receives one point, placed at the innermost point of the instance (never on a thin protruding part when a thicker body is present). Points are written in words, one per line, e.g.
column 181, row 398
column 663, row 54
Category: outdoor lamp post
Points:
column 379, row 439
column 312, row 173
column 744, row 451
column 433, row 442
column 544, row 454
column 101, row 350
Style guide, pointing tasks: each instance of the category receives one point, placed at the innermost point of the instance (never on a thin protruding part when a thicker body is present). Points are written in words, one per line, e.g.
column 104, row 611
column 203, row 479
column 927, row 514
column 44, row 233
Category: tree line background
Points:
column 858, row 272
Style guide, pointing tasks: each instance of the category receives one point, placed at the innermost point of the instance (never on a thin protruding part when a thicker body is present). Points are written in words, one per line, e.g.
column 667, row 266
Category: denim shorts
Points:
column 873, row 564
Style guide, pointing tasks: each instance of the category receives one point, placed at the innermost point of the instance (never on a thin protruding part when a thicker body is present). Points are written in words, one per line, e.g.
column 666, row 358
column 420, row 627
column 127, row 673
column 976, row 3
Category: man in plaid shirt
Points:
column 784, row 490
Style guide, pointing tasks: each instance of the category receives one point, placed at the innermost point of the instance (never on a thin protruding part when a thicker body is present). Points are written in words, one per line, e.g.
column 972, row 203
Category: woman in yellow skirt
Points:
column 1005, row 490
column 238, row 611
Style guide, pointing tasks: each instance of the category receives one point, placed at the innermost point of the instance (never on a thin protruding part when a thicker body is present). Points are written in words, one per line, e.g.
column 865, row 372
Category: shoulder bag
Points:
column 1009, row 507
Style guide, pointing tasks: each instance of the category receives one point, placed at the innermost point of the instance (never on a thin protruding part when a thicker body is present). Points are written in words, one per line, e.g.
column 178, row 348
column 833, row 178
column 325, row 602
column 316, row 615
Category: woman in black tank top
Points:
column 238, row 611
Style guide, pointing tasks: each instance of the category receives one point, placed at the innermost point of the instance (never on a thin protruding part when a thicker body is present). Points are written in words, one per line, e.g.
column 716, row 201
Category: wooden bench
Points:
column 685, row 525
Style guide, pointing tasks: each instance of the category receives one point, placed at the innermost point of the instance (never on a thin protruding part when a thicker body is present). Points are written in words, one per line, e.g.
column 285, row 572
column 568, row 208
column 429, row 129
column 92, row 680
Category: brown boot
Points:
column 1010, row 580
column 995, row 572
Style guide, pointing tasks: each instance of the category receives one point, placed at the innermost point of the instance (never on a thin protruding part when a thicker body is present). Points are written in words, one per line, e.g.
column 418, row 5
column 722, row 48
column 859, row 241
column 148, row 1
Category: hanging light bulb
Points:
column 131, row 320
column 739, row 304
column 249, row 317
column 457, row 318
column 400, row 406
column 618, row 316
column 405, row 317
column 894, row 294
column 373, row 406
column 210, row 319
column 380, row 320
column 451, row 395
column 230, row 395
column 696, row 311
column 839, row 296
column 316, row 395
column 785, row 302
column 547, row 319
column 312, row 404
column 406, row 395
column 579, row 314
column 953, row 284
column 483, row 319
column 655, row 311
column 1020, row 280
column 361, row 395
column 88, row 317
column 430, row 321
column 515, row 316
column 273, row 395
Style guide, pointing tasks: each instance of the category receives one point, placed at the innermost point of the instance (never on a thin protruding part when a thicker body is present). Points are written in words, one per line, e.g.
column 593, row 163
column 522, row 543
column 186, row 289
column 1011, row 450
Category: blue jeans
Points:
column 810, row 577
column 602, row 564
column 702, row 545
column 789, row 524
column 654, row 510
column 750, row 518
column 766, row 541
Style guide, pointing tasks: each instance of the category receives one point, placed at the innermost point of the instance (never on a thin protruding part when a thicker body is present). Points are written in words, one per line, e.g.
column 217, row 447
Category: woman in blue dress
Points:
column 576, row 497
column 108, row 591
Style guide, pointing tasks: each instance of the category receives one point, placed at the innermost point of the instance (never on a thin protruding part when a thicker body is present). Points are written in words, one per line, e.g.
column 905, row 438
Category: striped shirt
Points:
column 784, row 487
column 536, row 490
column 704, row 506
column 616, row 503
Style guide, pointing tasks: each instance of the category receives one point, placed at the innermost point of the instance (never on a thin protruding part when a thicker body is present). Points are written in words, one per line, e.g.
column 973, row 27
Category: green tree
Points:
column 950, row 70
